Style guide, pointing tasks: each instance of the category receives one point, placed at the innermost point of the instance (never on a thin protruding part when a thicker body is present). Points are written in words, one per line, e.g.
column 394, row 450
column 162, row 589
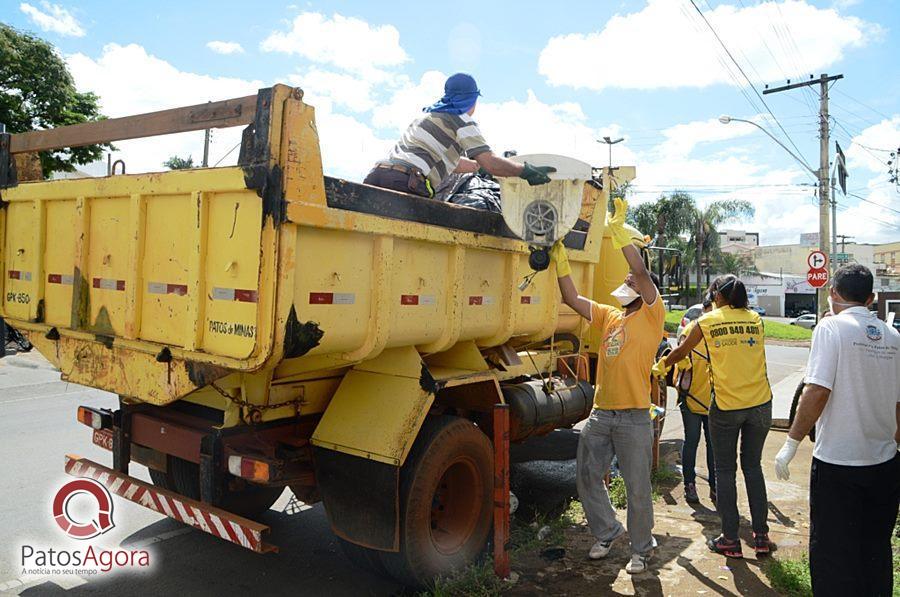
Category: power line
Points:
column 861, row 198
column 847, row 95
column 758, row 94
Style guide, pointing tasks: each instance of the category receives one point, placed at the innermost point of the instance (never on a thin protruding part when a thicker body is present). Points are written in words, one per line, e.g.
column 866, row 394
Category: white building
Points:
column 738, row 241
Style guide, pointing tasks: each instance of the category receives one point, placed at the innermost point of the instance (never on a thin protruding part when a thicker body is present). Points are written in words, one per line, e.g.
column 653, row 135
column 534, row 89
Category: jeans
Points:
column 852, row 514
column 692, row 425
column 404, row 182
column 628, row 435
column 751, row 425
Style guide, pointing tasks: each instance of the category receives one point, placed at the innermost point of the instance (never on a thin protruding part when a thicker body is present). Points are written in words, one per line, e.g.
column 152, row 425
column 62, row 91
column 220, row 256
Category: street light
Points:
column 724, row 119
column 610, row 142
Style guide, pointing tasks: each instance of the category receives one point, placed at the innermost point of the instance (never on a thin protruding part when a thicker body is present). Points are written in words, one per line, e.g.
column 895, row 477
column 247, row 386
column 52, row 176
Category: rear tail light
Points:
column 249, row 468
column 684, row 322
column 95, row 418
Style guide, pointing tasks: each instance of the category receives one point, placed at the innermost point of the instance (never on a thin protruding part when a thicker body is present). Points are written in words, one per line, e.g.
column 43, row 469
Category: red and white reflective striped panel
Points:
column 234, row 294
column 481, row 300
column 15, row 274
column 109, row 284
column 417, row 299
column 66, row 279
column 530, row 300
column 215, row 521
column 332, row 298
column 163, row 288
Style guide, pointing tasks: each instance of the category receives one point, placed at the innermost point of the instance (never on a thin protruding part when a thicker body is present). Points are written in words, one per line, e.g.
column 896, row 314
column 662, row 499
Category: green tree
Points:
column 666, row 219
column 179, row 163
column 706, row 220
column 739, row 264
column 38, row 92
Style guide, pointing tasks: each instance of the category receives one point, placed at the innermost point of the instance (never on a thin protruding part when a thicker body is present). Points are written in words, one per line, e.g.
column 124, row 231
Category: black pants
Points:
column 406, row 182
column 751, row 425
column 852, row 512
column 692, row 426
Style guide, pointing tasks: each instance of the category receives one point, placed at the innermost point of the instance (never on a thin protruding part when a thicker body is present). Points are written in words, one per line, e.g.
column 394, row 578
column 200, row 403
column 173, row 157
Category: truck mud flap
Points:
column 209, row 519
column 361, row 497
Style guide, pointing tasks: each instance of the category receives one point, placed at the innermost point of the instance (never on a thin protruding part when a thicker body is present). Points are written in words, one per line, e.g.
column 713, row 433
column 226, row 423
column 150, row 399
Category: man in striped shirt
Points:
column 443, row 141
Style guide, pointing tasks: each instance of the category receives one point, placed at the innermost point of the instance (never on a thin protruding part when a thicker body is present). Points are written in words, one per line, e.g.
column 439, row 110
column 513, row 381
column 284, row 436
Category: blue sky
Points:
column 554, row 79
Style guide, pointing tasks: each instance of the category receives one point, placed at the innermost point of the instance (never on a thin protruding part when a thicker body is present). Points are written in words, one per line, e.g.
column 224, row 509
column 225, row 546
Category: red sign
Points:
column 817, row 278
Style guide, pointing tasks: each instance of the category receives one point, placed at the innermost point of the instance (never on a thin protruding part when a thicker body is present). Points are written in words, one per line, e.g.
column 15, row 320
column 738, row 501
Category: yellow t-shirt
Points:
column 737, row 358
column 626, row 354
column 698, row 397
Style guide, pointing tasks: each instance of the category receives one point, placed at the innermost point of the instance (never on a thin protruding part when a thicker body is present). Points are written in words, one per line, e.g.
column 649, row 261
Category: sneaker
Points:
column 637, row 564
column 729, row 548
column 762, row 544
column 601, row 549
column 690, row 493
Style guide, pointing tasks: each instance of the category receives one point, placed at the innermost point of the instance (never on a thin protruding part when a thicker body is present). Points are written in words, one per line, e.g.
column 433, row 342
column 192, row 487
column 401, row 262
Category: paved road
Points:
column 38, row 427
column 37, row 423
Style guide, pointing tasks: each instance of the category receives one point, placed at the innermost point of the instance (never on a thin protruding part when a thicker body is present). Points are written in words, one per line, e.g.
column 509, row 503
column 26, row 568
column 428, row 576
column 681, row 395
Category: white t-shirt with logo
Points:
column 857, row 357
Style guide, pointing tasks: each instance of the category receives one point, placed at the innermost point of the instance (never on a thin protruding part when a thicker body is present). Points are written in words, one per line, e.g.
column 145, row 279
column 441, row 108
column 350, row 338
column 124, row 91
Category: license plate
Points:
column 103, row 438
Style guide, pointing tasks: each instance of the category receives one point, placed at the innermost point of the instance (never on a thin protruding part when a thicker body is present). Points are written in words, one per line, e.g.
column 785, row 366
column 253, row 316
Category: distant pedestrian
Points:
column 692, row 383
column 740, row 408
column 852, row 396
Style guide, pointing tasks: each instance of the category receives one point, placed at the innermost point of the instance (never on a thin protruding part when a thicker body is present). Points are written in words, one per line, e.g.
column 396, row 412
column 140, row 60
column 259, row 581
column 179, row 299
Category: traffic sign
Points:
column 816, row 260
column 817, row 277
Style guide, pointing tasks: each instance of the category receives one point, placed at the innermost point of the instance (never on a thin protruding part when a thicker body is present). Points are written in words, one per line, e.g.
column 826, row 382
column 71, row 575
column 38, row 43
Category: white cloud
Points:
column 867, row 149
column 53, row 18
column 225, row 47
column 664, row 45
column 339, row 89
column 406, row 103
column 346, row 42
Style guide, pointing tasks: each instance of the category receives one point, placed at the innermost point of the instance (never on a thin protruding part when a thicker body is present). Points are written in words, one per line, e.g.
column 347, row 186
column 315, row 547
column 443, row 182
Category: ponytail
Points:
column 732, row 290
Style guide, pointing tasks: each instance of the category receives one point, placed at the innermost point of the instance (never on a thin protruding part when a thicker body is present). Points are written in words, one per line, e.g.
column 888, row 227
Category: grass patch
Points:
column 895, row 548
column 790, row 576
column 524, row 536
column 774, row 329
column 661, row 477
column 475, row 580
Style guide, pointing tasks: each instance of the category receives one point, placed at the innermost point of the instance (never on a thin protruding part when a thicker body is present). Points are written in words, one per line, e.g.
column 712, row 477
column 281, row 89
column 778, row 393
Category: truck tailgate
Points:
column 159, row 264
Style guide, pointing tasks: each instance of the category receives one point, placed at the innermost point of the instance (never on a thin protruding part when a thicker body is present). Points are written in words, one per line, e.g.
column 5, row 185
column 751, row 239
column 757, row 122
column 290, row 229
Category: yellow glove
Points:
column 615, row 225
column 659, row 368
column 684, row 364
column 561, row 259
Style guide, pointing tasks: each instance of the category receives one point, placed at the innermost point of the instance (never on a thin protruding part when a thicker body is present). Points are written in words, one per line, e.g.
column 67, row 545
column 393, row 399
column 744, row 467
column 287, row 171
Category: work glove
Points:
column 784, row 457
column 559, row 256
column 659, row 368
column 615, row 225
column 536, row 175
column 684, row 364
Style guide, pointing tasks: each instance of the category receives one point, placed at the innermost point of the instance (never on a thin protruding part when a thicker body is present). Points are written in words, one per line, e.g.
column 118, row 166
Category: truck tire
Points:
column 239, row 497
column 446, row 497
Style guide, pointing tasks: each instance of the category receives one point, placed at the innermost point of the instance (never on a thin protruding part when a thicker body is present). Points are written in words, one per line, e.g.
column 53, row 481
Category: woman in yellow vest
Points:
column 692, row 383
column 741, row 407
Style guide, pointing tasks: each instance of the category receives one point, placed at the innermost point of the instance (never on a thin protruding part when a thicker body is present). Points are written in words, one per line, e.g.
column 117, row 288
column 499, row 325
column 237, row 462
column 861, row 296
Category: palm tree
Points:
column 739, row 264
column 704, row 229
column 667, row 217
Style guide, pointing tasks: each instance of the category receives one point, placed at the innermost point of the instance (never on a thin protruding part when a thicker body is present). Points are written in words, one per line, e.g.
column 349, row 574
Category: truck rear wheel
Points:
column 238, row 496
column 446, row 489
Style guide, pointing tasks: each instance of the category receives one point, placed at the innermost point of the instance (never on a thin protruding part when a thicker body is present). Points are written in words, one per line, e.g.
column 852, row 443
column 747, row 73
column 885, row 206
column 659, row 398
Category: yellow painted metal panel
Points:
column 232, row 273
column 165, row 274
column 419, row 292
column 378, row 408
column 108, row 264
column 335, row 282
column 19, row 276
column 483, row 290
column 58, row 262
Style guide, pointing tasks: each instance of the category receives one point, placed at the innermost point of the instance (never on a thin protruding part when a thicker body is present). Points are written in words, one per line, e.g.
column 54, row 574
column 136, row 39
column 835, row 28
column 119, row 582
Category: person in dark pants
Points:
column 443, row 141
column 852, row 396
column 740, row 410
column 692, row 383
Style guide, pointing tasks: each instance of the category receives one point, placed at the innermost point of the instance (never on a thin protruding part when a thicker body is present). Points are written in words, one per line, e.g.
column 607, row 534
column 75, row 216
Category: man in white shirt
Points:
column 852, row 395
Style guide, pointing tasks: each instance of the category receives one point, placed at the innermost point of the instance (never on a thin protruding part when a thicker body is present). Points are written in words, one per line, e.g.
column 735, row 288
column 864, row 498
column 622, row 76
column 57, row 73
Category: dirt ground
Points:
column 682, row 564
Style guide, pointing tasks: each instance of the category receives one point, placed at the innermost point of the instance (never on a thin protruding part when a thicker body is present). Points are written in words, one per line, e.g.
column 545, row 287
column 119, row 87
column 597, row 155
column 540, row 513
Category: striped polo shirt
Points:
column 435, row 142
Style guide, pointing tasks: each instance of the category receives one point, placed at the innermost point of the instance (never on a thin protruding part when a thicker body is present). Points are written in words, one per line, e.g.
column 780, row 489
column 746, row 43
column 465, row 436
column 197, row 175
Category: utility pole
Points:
column 610, row 142
column 206, row 149
column 843, row 238
column 824, row 182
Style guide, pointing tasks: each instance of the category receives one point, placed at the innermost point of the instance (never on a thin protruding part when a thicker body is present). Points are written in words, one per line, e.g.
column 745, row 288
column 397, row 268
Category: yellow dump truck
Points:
column 266, row 326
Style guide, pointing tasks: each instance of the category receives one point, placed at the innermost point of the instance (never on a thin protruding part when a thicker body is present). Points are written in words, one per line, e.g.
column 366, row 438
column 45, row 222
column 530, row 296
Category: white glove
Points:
column 784, row 457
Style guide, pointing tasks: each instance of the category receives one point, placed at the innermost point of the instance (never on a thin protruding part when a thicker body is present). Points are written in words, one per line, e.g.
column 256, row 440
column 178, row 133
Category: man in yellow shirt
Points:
column 619, row 425
column 694, row 398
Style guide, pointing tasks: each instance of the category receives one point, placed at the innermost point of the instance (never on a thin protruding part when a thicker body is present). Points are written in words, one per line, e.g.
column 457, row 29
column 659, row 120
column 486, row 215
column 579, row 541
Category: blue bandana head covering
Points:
column 460, row 94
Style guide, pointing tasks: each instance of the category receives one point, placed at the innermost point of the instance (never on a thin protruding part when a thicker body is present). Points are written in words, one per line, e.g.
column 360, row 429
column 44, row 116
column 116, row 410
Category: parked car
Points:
column 807, row 321
column 758, row 309
column 690, row 315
